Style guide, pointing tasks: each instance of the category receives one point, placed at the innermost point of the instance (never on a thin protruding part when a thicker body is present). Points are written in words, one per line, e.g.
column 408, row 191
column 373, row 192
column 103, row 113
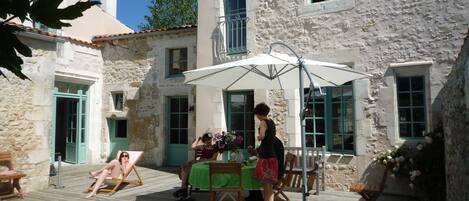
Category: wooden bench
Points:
column 371, row 192
column 10, row 180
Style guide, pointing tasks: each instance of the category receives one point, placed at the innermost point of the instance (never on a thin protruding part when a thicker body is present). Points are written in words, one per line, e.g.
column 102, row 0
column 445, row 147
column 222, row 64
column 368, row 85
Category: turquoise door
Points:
column 176, row 130
column 118, row 136
column 70, row 114
column 240, row 116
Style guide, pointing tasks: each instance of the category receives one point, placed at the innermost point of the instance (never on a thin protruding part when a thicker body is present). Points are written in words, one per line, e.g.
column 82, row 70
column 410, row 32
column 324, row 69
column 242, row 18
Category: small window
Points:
column 177, row 61
column 411, row 106
column 121, row 128
column 315, row 1
column 118, row 99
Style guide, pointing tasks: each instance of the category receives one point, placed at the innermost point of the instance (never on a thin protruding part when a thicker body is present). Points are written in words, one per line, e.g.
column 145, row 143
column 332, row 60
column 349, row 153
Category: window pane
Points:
column 417, row 83
column 237, row 121
column 418, row 130
column 336, row 110
column 320, row 126
column 183, row 121
column 309, row 140
column 335, row 126
column 309, row 111
column 309, row 126
column 336, row 94
column 319, row 109
column 174, row 102
column 403, row 84
column 237, row 103
column 405, row 130
column 121, row 128
column 183, row 136
column 418, row 99
column 249, row 121
column 118, row 99
column 320, row 140
column 337, row 141
column 249, row 103
column 418, row 114
column 184, row 105
column 404, row 99
column 174, row 136
column 404, row 114
column 241, row 133
column 348, row 142
column 174, row 121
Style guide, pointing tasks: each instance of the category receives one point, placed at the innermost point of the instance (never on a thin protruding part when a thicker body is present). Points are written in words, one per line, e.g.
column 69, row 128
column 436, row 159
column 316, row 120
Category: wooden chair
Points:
column 11, row 177
column 290, row 160
column 119, row 182
column 371, row 192
column 225, row 168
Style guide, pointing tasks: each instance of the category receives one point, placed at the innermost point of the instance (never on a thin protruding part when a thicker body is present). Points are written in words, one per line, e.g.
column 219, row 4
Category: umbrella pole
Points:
column 303, row 140
column 302, row 117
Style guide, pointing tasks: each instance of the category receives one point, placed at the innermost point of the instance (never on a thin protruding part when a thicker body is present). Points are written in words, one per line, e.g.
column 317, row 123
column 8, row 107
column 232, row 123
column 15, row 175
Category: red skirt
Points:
column 267, row 170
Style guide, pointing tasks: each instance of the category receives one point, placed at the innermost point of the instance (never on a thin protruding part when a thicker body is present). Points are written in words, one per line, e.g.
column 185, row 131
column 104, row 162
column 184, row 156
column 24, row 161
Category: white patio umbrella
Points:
column 275, row 71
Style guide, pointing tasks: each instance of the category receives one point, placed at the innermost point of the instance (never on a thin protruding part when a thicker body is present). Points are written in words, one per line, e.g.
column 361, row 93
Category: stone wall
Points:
column 373, row 34
column 456, row 127
column 25, row 114
column 137, row 67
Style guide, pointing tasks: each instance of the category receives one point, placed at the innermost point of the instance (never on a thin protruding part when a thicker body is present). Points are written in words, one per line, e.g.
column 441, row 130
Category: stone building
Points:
column 59, row 109
column 408, row 46
column 455, row 96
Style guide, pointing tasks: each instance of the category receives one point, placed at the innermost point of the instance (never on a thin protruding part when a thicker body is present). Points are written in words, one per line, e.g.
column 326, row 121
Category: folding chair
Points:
column 290, row 160
column 225, row 168
column 11, row 176
column 134, row 156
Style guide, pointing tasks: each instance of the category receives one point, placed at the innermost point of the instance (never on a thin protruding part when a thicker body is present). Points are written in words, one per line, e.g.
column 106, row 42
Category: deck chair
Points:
column 134, row 157
column 225, row 168
column 8, row 178
column 371, row 192
column 290, row 160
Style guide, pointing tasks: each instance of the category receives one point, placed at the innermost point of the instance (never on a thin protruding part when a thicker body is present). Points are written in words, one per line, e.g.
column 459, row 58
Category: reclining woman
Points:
column 115, row 169
column 208, row 152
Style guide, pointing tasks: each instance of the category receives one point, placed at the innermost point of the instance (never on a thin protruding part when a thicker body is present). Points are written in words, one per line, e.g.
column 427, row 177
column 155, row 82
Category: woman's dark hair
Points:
column 120, row 156
column 206, row 136
column 261, row 109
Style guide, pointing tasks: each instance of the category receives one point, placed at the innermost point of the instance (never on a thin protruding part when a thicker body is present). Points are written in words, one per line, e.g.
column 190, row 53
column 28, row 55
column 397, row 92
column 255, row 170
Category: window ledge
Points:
column 328, row 6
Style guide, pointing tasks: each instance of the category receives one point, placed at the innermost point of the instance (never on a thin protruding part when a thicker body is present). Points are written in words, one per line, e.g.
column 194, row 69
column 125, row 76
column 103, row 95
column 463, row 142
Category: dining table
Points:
column 199, row 176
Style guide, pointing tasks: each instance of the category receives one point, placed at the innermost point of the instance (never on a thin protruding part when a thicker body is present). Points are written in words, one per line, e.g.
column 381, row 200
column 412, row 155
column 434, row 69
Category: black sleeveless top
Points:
column 266, row 150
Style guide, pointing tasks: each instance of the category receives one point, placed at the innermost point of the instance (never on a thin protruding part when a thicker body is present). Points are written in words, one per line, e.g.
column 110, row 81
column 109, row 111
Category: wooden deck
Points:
column 158, row 185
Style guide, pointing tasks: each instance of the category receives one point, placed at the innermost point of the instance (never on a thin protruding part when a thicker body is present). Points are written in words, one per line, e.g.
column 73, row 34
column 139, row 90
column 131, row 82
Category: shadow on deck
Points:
column 159, row 183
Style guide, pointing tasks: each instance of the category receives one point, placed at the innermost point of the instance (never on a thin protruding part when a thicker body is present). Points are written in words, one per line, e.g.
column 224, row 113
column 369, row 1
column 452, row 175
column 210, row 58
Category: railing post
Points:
column 59, row 179
column 323, row 168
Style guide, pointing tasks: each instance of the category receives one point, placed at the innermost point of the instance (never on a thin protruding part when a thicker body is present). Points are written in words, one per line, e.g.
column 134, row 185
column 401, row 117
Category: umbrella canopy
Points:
column 275, row 71
column 271, row 71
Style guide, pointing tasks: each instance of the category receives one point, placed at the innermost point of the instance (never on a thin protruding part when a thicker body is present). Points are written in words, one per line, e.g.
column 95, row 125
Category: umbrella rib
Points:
column 257, row 71
column 277, row 72
column 210, row 74
column 239, row 78
column 287, row 70
column 278, row 78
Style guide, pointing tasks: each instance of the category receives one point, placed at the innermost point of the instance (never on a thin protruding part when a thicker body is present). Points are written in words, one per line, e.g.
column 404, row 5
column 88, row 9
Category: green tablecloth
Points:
column 199, row 177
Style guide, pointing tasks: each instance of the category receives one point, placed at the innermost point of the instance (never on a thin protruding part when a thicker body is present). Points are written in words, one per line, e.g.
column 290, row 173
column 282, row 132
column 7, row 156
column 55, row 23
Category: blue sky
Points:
column 131, row 12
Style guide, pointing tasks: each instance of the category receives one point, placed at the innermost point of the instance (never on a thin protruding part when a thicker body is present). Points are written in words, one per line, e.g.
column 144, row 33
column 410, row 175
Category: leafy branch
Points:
column 43, row 11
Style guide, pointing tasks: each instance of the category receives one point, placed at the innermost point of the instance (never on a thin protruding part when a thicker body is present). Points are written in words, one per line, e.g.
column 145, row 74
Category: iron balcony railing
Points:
column 233, row 31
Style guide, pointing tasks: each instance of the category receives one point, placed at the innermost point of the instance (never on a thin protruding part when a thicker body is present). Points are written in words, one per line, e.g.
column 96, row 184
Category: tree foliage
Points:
column 170, row 13
column 43, row 11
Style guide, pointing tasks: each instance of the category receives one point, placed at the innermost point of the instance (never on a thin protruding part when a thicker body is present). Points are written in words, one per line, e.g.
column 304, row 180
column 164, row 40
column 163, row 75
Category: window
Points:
column 177, row 61
column 330, row 119
column 121, row 128
column 235, row 22
column 178, row 120
column 240, row 106
column 411, row 106
column 118, row 101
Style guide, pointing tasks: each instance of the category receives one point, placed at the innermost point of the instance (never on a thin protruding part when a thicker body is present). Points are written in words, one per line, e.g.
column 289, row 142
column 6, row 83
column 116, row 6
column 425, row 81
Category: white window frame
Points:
column 327, row 6
column 409, row 69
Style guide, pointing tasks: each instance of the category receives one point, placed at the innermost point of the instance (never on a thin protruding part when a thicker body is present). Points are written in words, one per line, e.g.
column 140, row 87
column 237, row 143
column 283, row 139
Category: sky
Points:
column 131, row 12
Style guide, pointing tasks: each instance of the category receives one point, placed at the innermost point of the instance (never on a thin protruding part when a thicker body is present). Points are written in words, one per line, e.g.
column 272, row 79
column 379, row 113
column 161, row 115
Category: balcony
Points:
column 233, row 33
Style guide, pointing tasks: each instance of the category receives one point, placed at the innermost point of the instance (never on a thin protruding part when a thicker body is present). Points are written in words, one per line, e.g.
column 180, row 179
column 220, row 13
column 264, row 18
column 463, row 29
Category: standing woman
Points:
column 267, row 167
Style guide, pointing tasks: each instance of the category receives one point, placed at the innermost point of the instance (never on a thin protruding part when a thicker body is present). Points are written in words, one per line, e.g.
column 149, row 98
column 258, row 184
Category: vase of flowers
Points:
column 228, row 143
